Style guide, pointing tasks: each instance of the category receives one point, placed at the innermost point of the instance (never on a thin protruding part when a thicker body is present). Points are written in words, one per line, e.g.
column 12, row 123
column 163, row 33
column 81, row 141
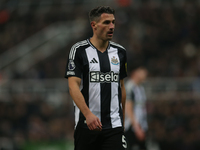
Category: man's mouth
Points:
column 110, row 33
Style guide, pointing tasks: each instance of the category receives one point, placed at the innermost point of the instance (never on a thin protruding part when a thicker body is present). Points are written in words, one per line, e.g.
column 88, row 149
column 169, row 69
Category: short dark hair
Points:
column 95, row 13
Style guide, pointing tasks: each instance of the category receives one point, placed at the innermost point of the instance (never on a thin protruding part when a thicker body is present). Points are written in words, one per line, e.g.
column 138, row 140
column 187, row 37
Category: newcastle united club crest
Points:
column 114, row 61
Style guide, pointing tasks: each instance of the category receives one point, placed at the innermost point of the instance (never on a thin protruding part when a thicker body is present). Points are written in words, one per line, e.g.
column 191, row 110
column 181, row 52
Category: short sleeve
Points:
column 74, row 65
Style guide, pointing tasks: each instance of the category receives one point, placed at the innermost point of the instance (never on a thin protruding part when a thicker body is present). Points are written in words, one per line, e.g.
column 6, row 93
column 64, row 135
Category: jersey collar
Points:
column 96, row 48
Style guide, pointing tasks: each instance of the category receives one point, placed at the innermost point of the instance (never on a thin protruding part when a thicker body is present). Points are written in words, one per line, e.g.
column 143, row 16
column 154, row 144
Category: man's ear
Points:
column 93, row 25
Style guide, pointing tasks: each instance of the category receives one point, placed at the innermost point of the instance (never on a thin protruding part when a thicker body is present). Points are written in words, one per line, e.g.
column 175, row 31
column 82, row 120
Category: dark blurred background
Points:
column 36, row 111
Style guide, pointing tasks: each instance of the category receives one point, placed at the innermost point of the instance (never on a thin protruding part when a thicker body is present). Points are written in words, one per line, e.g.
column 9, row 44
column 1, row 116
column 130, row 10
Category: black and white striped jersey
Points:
column 101, row 74
column 136, row 93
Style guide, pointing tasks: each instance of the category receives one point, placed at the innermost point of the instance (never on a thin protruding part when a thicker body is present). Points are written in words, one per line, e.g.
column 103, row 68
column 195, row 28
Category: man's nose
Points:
column 112, row 25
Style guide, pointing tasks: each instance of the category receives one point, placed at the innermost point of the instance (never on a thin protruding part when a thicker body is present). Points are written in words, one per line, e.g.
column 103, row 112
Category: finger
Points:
column 89, row 127
column 99, row 123
column 94, row 126
column 97, row 126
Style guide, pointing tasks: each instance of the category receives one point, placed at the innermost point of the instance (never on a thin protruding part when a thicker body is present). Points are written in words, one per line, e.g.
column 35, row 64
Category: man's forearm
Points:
column 130, row 112
column 79, row 101
column 92, row 121
column 78, row 97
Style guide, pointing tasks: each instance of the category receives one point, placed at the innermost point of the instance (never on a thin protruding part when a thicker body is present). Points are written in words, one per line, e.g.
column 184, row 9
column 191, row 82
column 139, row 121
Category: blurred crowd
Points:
column 165, row 39
column 162, row 36
column 175, row 124
column 29, row 117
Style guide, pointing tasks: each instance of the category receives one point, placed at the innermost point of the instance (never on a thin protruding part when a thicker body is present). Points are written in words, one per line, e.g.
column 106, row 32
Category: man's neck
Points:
column 99, row 44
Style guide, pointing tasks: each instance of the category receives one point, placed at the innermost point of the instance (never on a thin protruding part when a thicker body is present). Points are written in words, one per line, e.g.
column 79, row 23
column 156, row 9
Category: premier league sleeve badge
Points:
column 71, row 65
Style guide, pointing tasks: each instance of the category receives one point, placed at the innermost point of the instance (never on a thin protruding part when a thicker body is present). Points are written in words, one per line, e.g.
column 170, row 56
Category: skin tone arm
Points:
column 92, row 121
column 138, row 130
column 123, row 98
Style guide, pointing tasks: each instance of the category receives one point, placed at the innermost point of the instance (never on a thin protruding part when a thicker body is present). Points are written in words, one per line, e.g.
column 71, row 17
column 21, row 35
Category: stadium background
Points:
column 36, row 111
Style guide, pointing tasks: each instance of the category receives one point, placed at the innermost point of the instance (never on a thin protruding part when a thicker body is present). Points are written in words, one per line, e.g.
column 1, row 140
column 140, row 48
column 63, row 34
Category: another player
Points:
column 136, row 117
column 95, row 70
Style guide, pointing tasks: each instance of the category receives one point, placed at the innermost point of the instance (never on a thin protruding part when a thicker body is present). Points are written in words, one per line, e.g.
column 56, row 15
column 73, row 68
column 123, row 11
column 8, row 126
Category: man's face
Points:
column 142, row 75
column 104, row 27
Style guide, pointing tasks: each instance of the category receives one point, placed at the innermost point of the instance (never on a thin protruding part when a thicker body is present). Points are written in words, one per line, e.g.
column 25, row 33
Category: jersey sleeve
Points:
column 123, row 70
column 74, row 65
column 129, row 92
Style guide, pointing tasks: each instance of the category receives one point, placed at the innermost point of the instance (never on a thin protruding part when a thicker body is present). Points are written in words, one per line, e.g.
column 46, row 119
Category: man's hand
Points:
column 93, row 122
column 139, row 132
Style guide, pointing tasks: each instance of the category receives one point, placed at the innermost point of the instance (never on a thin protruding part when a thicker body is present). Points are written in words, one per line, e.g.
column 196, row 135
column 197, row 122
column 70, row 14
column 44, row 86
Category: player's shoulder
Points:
column 113, row 44
column 78, row 48
column 80, row 44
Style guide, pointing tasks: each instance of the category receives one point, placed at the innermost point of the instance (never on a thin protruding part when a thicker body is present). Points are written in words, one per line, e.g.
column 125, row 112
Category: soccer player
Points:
column 95, row 70
column 136, row 119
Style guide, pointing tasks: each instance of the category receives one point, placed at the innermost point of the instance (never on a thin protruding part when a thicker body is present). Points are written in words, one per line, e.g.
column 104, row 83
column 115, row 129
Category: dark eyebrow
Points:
column 108, row 21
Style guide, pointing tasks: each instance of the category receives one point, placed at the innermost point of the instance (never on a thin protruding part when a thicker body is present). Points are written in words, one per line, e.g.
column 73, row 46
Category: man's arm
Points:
column 130, row 114
column 92, row 121
column 123, row 90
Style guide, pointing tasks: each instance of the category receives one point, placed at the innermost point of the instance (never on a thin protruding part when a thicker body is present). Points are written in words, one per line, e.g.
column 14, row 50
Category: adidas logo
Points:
column 93, row 61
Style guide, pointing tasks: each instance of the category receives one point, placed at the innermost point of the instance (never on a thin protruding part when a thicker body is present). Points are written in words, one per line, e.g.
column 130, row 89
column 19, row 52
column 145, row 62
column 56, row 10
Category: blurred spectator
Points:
column 136, row 124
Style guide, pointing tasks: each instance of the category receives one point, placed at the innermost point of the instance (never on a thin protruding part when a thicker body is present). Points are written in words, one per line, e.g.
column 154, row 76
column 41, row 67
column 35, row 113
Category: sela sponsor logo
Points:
column 96, row 76
column 70, row 73
column 71, row 65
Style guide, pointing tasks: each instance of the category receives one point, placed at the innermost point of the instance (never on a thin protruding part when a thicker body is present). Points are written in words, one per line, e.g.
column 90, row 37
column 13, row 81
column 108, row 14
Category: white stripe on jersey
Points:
column 94, row 88
column 113, row 43
column 139, row 108
column 74, row 47
column 77, row 113
column 77, row 110
column 114, row 106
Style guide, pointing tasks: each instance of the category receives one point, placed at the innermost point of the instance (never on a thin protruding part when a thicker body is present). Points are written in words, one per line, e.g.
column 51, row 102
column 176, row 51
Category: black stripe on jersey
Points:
column 120, row 107
column 105, row 90
column 85, row 79
column 119, row 88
